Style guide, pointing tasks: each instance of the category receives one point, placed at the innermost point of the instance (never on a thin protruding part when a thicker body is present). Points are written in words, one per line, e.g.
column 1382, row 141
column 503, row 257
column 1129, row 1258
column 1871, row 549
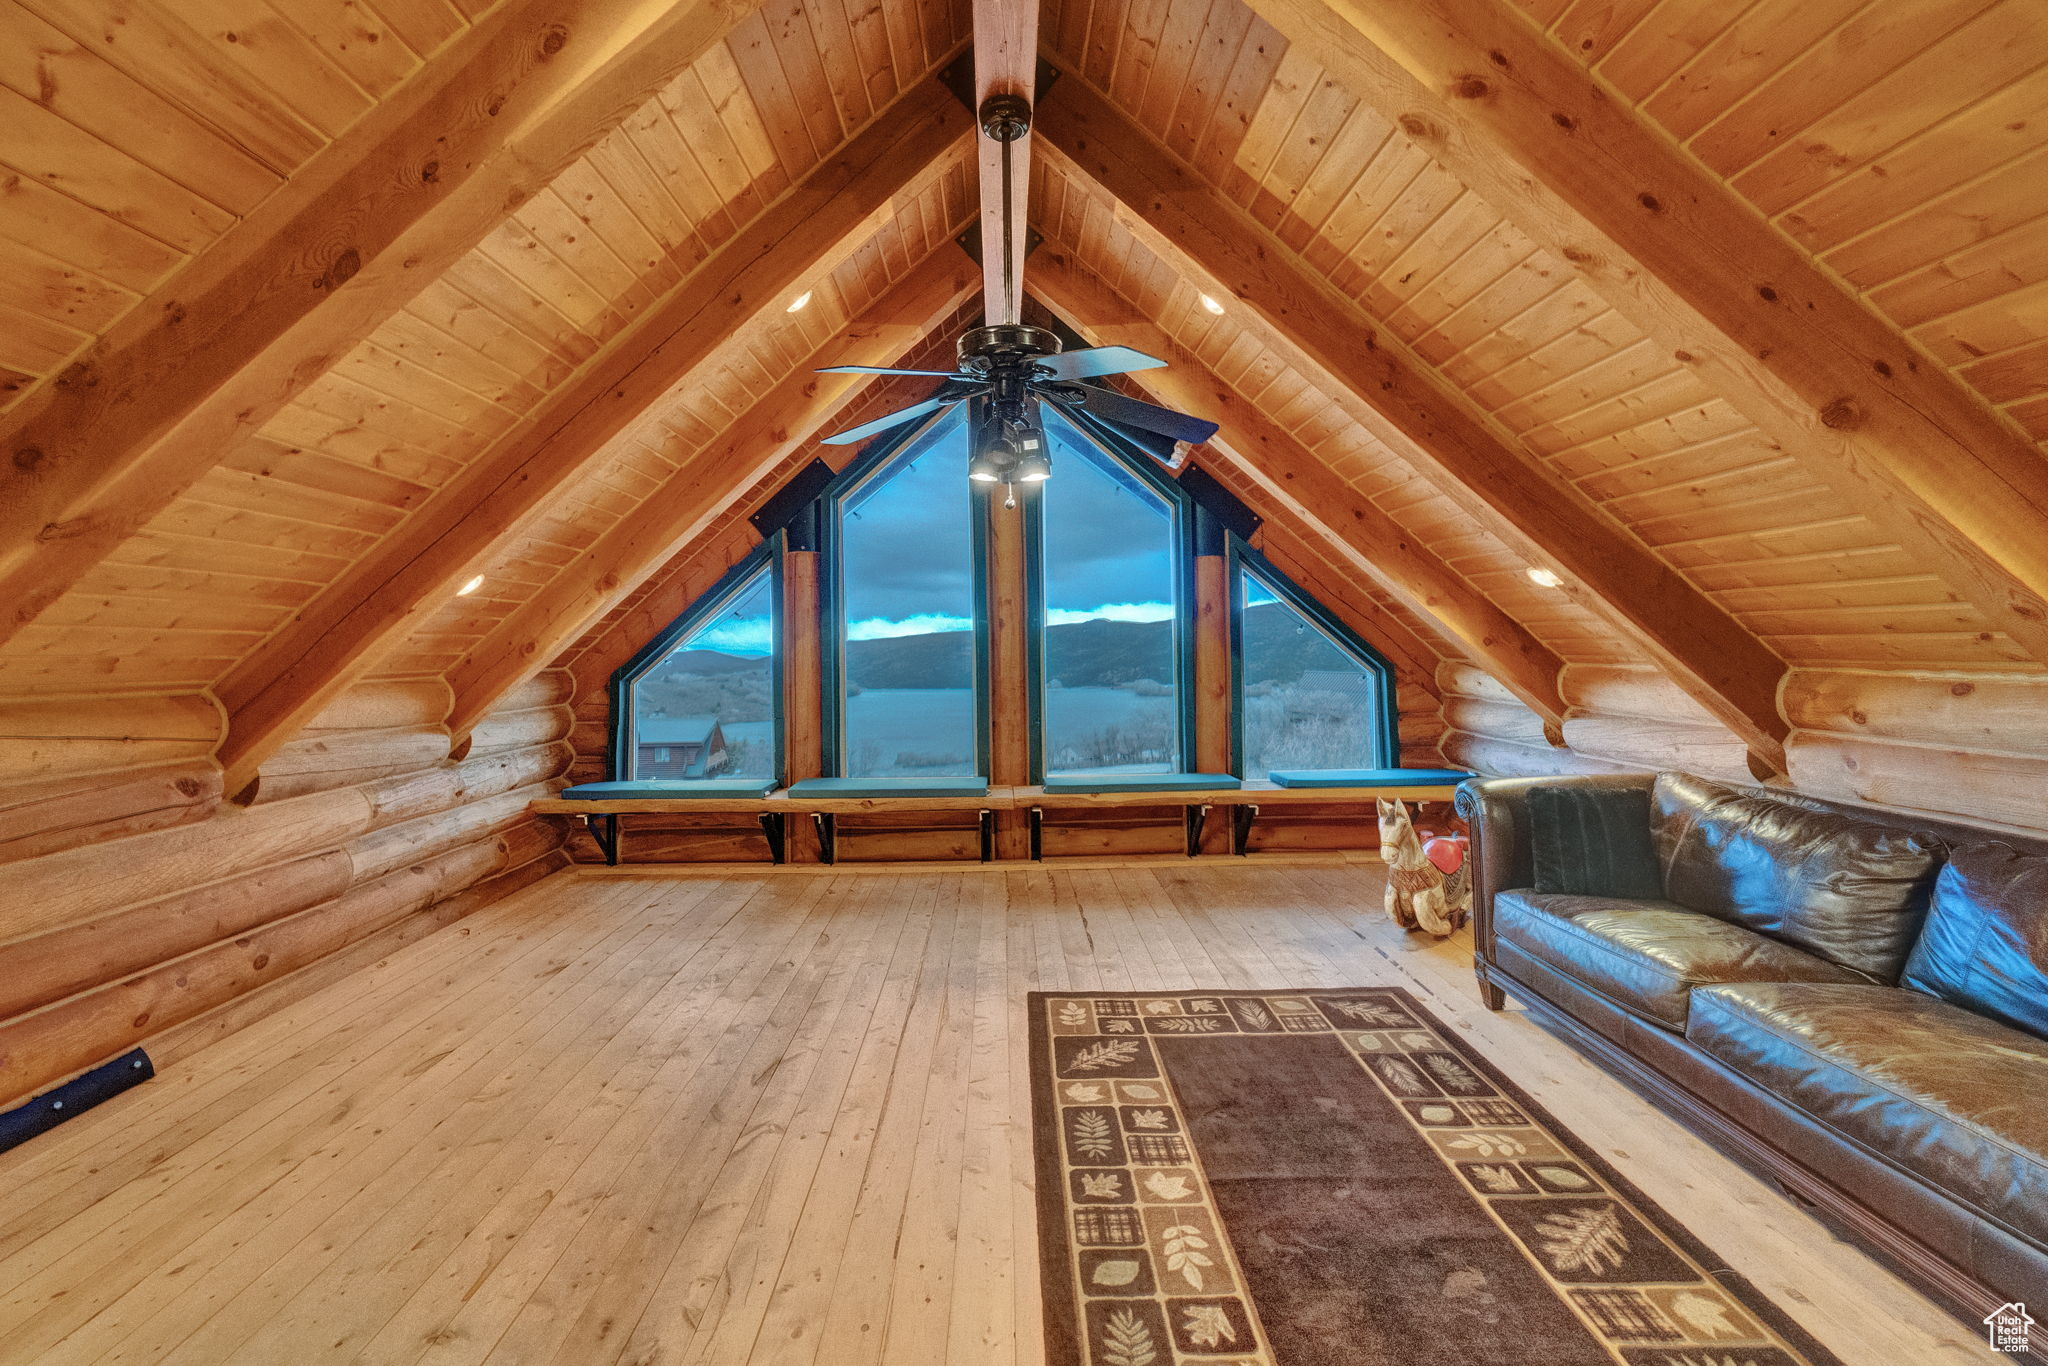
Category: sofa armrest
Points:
column 1496, row 812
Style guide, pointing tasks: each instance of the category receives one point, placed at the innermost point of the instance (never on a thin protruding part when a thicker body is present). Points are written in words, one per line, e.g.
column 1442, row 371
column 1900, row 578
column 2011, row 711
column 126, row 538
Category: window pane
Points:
column 1112, row 681
column 1307, row 702
column 907, row 586
column 707, row 709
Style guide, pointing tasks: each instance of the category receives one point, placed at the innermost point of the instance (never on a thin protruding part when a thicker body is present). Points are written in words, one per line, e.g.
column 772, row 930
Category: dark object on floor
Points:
column 1328, row 1178
column 74, row 1097
column 1852, row 1001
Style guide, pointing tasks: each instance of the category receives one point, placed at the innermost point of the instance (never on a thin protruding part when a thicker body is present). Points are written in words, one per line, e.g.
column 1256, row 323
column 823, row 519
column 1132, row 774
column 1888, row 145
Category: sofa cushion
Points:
column 1985, row 944
column 1850, row 890
column 1648, row 955
column 1957, row 1100
column 1593, row 841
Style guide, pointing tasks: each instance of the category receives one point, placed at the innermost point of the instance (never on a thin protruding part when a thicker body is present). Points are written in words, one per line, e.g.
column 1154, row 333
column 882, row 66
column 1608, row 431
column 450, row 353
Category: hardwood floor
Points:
column 722, row 1117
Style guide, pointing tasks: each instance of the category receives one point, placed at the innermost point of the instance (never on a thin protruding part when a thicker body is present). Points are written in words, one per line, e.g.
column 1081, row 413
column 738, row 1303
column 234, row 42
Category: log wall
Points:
column 1972, row 746
column 140, row 905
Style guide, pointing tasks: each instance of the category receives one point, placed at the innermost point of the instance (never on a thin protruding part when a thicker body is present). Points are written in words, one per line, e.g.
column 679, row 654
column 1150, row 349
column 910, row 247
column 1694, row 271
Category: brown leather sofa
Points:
column 1852, row 1002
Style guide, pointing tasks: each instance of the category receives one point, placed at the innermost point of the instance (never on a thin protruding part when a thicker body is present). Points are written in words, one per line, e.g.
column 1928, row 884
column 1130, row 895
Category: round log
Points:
column 49, row 967
column 95, row 879
column 55, row 814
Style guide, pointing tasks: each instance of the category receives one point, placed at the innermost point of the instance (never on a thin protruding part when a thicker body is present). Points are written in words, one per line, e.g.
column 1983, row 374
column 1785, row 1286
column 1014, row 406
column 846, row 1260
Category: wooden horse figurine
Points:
column 1421, row 892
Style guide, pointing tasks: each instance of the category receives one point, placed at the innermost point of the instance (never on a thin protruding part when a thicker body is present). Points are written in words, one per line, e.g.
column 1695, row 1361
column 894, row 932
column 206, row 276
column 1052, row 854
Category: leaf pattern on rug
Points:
column 1148, row 1119
column 1589, row 1240
column 1714, row 1359
column 1121, row 1271
column 1127, row 1340
column 1255, row 1014
column 1498, row 1178
column 1403, row 1077
column 1184, row 1024
column 1184, row 1244
column 1103, row 1185
column 1091, row 1134
column 1453, row 1074
column 1108, row 1053
column 1207, row 1325
column 1168, row 1187
column 1204, row 1004
column 1370, row 1012
column 1073, row 1013
column 1489, row 1145
column 1705, row 1315
column 1085, row 1092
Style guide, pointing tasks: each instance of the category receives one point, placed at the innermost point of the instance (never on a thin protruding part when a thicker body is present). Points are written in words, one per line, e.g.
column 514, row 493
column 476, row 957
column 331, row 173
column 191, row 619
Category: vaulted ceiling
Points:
column 1735, row 318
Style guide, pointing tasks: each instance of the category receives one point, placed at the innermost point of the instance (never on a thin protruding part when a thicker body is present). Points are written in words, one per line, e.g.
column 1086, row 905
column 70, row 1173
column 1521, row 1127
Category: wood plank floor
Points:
column 723, row 1117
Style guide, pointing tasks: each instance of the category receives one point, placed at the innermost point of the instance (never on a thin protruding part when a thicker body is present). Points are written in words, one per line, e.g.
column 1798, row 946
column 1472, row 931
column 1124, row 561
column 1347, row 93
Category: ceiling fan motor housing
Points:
column 986, row 348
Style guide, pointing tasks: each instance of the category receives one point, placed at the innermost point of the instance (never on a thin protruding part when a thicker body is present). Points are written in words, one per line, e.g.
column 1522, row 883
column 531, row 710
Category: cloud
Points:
column 1110, row 611
column 736, row 636
column 924, row 624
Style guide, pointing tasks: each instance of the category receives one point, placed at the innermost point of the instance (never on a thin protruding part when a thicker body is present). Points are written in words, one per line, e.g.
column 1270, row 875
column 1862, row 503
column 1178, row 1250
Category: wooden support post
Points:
column 1010, row 683
column 1212, row 664
column 803, row 739
column 1005, row 64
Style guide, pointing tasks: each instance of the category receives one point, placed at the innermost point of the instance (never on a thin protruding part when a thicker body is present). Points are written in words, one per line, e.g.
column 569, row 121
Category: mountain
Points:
column 1092, row 654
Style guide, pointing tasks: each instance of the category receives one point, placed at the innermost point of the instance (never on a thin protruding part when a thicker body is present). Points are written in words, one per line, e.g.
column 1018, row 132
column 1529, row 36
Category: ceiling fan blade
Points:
column 1097, row 360
column 1129, row 440
column 1130, row 412
column 883, row 424
column 885, row 370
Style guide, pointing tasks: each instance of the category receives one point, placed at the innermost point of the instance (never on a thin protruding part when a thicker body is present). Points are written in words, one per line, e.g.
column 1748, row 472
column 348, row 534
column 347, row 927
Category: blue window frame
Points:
column 1306, row 691
column 1109, row 571
column 704, row 698
column 905, row 631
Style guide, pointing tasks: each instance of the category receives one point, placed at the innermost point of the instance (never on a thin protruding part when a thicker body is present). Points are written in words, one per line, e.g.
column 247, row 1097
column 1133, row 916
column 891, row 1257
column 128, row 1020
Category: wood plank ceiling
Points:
column 1900, row 145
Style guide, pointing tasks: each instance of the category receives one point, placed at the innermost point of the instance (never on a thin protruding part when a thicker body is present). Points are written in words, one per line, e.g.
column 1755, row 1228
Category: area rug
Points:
column 1328, row 1178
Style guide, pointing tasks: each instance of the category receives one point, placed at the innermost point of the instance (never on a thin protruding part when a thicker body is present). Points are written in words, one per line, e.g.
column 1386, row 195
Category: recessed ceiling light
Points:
column 797, row 304
column 470, row 587
column 1212, row 305
column 1546, row 578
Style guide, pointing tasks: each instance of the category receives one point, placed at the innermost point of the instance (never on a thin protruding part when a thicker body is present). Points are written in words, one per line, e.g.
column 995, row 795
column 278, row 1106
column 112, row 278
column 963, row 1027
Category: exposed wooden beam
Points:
column 1288, row 475
column 374, row 217
column 1681, row 255
column 669, row 592
column 806, row 233
column 1005, row 63
column 1220, row 249
column 780, row 422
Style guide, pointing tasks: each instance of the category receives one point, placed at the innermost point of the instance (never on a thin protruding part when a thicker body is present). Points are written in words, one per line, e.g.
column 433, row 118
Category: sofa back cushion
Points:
column 1985, row 946
column 1593, row 841
column 1852, row 891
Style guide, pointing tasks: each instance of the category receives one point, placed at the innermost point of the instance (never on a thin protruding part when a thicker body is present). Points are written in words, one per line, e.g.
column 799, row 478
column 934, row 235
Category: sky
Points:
column 909, row 547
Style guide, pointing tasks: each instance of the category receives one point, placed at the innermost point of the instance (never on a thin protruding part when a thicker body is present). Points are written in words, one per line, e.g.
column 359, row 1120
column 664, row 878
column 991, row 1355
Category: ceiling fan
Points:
column 1008, row 369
